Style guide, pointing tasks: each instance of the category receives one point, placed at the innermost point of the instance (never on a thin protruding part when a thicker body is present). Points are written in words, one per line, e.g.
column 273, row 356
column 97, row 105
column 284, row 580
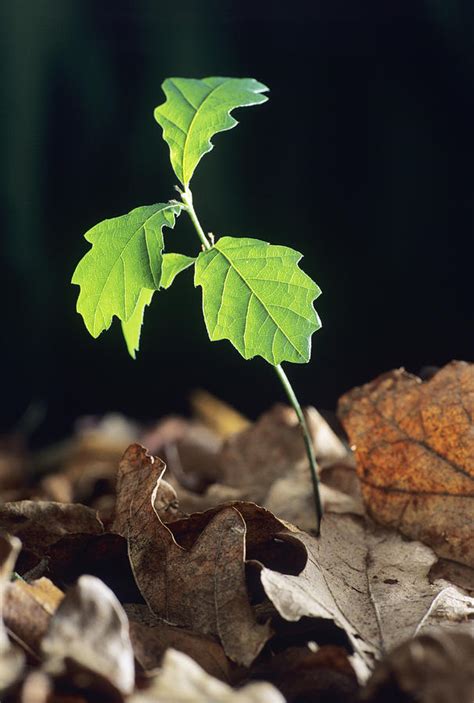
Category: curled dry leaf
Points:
column 11, row 658
column 202, row 588
column 28, row 608
column 414, row 446
column 371, row 582
column 434, row 668
column 139, row 471
column 41, row 523
column 90, row 630
column 181, row 680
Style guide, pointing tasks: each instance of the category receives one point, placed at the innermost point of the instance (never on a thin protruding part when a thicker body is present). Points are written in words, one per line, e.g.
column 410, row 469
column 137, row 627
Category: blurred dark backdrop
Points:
column 362, row 159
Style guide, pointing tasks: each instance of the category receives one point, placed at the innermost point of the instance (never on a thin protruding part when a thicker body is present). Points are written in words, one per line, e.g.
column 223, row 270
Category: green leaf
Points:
column 255, row 295
column 196, row 110
column 132, row 328
column 172, row 265
column 126, row 256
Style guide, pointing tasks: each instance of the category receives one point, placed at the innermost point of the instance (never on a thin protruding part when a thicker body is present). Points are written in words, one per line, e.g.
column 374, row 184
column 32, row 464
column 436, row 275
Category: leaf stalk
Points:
column 187, row 198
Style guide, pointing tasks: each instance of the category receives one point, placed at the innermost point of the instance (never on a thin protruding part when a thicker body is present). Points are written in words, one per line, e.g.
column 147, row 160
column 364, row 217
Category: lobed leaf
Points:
column 256, row 296
column 172, row 264
column 126, row 256
column 196, row 110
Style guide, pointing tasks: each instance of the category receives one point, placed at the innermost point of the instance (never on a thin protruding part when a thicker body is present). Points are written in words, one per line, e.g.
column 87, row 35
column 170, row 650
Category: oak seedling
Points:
column 253, row 293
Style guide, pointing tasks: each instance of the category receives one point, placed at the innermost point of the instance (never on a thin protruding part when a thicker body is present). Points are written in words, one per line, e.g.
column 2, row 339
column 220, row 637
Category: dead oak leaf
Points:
column 89, row 630
column 28, row 608
column 152, row 637
column 202, row 588
column 140, row 470
column 42, row 523
column 371, row 582
column 414, row 445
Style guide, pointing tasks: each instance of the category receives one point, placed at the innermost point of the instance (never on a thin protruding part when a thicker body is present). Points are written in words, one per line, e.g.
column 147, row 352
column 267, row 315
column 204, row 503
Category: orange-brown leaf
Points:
column 414, row 445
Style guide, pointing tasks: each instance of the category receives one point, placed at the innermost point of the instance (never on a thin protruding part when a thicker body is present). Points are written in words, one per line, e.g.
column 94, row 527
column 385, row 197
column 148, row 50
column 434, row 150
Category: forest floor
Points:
column 180, row 562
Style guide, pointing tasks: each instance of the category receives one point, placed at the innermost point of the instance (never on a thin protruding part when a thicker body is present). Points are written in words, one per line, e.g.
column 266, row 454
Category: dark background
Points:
column 362, row 159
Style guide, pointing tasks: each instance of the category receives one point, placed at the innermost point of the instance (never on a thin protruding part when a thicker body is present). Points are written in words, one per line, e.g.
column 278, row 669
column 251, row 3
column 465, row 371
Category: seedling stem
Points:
column 187, row 199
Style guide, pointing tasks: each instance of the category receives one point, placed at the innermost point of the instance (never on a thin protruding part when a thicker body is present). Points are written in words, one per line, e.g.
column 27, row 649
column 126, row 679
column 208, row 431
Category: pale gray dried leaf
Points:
column 11, row 658
column 42, row 523
column 90, row 629
column 181, row 680
column 431, row 668
column 371, row 582
column 451, row 609
column 139, row 472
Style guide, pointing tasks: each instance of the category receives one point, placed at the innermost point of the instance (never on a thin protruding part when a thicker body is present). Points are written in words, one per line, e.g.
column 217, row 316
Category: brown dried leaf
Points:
column 261, row 525
column 459, row 574
column 181, row 680
column 152, row 637
column 268, row 449
column 202, row 588
column 414, row 446
column 372, row 583
column 28, row 609
column 190, row 448
column 434, row 668
column 139, row 471
column 40, row 523
column 90, row 631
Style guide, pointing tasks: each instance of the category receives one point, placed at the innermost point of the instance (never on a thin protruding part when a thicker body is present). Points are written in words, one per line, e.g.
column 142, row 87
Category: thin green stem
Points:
column 187, row 198
column 307, row 441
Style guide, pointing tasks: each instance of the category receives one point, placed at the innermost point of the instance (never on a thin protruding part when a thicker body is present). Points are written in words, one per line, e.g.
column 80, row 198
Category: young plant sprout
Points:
column 254, row 293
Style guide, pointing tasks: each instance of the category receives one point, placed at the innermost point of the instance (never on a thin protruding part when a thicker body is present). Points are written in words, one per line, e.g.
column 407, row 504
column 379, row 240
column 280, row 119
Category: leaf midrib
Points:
column 197, row 111
column 241, row 276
